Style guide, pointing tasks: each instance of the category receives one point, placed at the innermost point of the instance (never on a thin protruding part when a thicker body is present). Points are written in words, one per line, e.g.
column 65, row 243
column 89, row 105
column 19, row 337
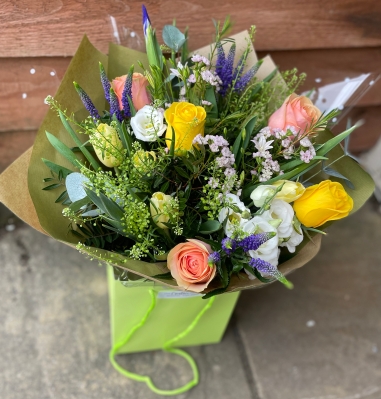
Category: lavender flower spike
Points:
column 105, row 82
column 253, row 242
column 246, row 78
column 127, row 93
column 86, row 101
column 267, row 268
column 146, row 20
column 114, row 106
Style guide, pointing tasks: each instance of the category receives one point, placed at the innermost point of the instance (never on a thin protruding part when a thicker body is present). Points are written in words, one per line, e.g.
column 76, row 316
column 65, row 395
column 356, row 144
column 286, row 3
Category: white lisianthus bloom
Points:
column 234, row 219
column 268, row 251
column 294, row 240
column 148, row 124
column 261, row 194
column 280, row 209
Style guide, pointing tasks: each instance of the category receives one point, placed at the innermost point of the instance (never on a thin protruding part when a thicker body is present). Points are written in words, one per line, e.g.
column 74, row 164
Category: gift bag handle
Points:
column 167, row 347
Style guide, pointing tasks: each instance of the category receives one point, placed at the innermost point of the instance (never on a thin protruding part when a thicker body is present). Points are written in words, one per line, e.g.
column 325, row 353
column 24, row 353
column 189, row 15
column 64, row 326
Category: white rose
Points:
column 281, row 210
column 261, row 194
column 268, row 251
column 234, row 219
column 294, row 240
column 148, row 124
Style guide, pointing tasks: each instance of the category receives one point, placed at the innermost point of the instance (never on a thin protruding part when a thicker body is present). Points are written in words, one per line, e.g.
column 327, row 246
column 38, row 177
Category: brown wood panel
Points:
column 55, row 27
column 24, row 84
column 13, row 144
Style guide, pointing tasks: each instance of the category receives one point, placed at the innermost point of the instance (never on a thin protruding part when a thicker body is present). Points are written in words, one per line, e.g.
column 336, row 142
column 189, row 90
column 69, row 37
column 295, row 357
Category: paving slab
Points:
column 321, row 340
column 54, row 333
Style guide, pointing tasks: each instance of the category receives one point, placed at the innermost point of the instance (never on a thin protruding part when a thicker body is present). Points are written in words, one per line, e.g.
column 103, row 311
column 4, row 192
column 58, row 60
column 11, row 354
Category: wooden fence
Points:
column 329, row 40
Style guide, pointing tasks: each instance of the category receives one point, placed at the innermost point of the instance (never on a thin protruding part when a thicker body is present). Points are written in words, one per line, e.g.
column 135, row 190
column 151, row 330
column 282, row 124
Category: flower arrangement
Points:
column 202, row 173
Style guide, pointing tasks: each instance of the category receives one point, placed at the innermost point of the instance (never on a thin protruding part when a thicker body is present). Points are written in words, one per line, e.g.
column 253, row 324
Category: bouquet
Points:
column 202, row 171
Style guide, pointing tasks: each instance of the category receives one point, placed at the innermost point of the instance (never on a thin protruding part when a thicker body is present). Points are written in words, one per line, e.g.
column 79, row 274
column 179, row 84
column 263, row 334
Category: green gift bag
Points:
column 145, row 316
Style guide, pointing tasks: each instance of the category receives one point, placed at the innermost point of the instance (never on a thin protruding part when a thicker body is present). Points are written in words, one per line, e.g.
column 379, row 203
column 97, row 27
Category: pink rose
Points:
column 188, row 263
column 297, row 111
column 140, row 95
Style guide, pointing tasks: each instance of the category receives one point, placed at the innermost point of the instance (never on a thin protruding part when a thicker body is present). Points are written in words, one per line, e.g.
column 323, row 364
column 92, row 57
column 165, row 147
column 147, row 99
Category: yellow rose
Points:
column 290, row 191
column 188, row 121
column 107, row 145
column 159, row 208
column 323, row 202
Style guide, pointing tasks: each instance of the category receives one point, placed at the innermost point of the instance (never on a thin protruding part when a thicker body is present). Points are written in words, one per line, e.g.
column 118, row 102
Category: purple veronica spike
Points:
column 86, row 101
column 114, row 106
column 214, row 258
column 239, row 68
column 127, row 92
column 246, row 78
column 253, row 242
column 105, row 82
column 146, row 20
column 228, row 245
column 267, row 268
column 224, row 67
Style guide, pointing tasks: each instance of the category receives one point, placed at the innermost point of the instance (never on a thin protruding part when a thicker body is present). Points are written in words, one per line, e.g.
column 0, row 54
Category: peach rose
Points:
column 188, row 263
column 297, row 111
column 140, row 95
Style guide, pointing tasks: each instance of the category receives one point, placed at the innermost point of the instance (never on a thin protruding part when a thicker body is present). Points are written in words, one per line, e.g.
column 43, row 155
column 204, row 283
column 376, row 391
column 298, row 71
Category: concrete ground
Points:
column 321, row 340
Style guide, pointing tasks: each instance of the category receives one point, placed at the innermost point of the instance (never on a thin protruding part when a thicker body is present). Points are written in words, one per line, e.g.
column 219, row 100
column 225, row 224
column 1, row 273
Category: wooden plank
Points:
column 24, row 84
column 55, row 27
column 13, row 144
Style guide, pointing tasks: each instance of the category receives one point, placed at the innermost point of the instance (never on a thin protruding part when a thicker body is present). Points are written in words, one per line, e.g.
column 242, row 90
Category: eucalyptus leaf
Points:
column 173, row 38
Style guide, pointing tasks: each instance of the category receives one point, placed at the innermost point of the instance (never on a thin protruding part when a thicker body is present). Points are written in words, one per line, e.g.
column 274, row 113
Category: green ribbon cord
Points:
column 167, row 347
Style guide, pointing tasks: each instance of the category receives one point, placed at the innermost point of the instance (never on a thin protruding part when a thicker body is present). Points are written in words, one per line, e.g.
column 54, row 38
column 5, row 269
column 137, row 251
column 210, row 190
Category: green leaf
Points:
column 78, row 142
column 57, row 168
column 108, row 206
column 172, row 149
column 61, row 197
column 217, row 291
column 63, row 149
column 211, row 97
column 297, row 162
column 77, row 205
column 210, row 226
column 326, row 147
column 173, row 38
column 237, row 145
column 181, row 172
column 247, row 132
column 125, row 137
column 52, row 186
